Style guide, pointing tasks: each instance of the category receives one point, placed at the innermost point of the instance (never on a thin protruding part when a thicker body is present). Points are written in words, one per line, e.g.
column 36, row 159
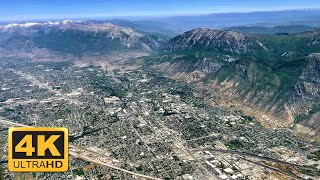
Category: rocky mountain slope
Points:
column 215, row 40
column 76, row 38
column 272, row 77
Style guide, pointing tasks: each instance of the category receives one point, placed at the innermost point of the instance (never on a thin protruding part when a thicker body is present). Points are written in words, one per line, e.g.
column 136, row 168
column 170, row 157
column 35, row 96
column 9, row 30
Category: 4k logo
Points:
column 38, row 150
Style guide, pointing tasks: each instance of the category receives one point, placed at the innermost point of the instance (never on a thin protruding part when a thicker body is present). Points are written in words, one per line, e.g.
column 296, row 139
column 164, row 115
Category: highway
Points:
column 81, row 156
column 273, row 168
column 254, row 156
column 75, row 152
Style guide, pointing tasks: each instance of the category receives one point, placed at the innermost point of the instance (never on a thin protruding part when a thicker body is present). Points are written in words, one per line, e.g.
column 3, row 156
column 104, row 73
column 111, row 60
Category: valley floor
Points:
column 129, row 123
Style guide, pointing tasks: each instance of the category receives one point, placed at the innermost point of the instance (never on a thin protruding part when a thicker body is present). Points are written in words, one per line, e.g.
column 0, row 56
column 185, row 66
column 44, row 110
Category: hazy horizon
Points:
column 18, row 10
column 142, row 18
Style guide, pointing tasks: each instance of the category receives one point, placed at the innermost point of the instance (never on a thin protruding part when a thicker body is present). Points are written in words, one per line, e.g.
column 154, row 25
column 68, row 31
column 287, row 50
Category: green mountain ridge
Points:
column 276, row 74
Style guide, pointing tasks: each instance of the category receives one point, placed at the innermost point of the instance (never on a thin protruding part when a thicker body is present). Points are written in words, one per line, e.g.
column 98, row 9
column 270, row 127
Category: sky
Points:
column 64, row 9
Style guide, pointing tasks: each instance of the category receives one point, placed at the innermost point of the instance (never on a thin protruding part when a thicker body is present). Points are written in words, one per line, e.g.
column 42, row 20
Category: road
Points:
column 75, row 149
column 273, row 168
column 81, row 156
column 254, row 156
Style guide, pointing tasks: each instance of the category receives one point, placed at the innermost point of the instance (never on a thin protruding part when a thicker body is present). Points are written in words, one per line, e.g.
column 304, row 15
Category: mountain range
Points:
column 290, row 29
column 75, row 38
column 275, row 77
column 300, row 17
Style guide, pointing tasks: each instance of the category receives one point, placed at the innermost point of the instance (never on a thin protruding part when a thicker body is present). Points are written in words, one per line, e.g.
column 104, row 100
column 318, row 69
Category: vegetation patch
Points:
column 315, row 155
column 78, row 172
column 237, row 144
